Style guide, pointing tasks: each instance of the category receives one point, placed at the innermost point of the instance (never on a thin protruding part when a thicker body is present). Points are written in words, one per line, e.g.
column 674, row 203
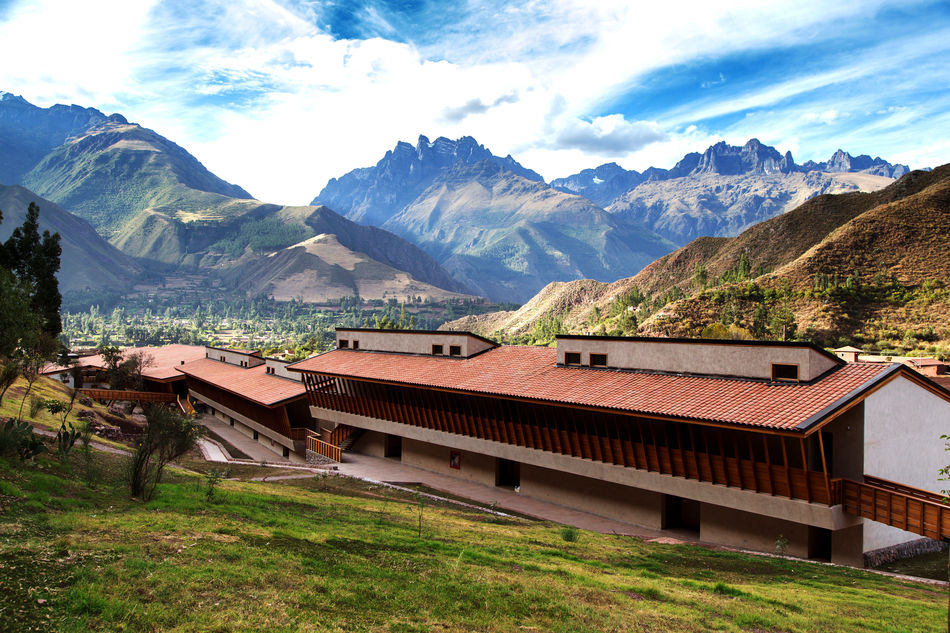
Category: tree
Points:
column 124, row 371
column 167, row 436
column 34, row 261
column 17, row 321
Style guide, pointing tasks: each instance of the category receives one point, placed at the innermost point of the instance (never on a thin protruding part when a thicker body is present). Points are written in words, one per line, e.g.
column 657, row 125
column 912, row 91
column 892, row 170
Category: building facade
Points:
column 255, row 395
column 739, row 443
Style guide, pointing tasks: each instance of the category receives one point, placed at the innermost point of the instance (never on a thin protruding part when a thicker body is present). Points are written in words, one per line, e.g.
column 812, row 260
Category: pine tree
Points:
column 34, row 261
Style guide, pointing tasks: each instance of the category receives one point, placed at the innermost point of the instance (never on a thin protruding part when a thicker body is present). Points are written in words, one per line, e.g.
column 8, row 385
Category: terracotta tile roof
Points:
column 531, row 372
column 251, row 383
column 164, row 360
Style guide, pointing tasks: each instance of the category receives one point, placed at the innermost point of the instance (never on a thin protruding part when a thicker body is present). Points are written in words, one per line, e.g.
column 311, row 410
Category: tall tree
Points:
column 34, row 260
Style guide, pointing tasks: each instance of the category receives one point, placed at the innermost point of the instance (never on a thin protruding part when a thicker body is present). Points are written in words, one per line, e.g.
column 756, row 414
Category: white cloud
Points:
column 261, row 94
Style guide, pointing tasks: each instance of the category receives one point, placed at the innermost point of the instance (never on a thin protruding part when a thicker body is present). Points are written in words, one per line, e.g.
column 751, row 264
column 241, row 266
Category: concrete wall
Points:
column 233, row 358
column 370, row 443
column 846, row 449
column 409, row 342
column 753, row 361
column 718, row 524
column 279, row 368
column 267, row 442
column 794, row 510
column 473, row 467
column 903, row 423
column 613, row 501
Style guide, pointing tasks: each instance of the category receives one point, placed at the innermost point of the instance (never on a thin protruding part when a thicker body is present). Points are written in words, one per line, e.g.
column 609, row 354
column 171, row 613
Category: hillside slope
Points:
column 892, row 244
column 320, row 270
column 88, row 261
column 115, row 169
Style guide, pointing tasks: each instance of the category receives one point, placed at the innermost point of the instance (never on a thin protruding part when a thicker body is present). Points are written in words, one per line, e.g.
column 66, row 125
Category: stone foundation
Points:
column 316, row 459
column 884, row 555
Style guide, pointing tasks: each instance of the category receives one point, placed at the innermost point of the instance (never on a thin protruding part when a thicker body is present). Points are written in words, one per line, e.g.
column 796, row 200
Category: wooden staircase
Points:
column 911, row 509
column 338, row 440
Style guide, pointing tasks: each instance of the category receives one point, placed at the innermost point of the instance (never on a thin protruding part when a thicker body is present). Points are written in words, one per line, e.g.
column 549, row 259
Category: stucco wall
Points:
column 846, row 450
column 370, row 443
column 903, row 423
column 233, row 358
column 412, row 342
column 795, row 510
column 753, row 361
column 750, row 531
column 472, row 467
column 280, row 369
column 606, row 499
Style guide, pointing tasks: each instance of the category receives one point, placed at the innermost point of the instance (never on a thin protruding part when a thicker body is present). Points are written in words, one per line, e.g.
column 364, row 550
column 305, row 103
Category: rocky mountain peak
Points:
column 725, row 159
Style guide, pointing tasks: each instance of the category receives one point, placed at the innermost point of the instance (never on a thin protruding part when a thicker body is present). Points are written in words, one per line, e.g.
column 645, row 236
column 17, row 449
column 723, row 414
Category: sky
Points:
column 279, row 96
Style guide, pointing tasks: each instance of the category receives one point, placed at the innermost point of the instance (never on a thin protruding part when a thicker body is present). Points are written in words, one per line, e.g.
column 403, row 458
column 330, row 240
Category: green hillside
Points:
column 88, row 261
column 328, row 554
column 116, row 169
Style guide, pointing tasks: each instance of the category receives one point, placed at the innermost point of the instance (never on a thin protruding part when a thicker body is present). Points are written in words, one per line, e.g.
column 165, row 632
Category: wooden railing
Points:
column 129, row 396
column 185, row 405
column 911, row 509
column 626, row 444
column 326, row 449
column 341, row 433
column 300, row 433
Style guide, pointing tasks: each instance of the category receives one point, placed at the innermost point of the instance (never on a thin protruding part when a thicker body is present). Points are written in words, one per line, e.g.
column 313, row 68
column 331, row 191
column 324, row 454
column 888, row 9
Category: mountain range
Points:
column 161, row 209
column 863, row 267
column 503, row 231
column 440, row 218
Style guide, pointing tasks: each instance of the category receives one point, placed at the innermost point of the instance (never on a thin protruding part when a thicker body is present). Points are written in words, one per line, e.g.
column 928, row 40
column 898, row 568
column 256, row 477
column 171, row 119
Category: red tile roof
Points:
column 531, row 372
column 251, row 383
column 164, row 360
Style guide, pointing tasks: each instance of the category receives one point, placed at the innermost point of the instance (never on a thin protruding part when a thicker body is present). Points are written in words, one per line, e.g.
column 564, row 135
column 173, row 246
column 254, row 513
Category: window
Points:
column 343, row 344
column 222, row 359
column 436, row 350
column 356, row 344
column 782, row 371
column 455, row 350
column 572, row 358
column 598, row 360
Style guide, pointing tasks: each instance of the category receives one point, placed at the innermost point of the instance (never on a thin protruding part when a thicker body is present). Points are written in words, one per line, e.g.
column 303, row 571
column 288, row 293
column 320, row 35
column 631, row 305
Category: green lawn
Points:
column 330, row 554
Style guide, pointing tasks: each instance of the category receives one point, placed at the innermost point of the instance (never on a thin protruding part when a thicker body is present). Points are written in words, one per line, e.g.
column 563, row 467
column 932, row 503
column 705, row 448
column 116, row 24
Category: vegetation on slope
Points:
column 328, row 554
column 862, row 269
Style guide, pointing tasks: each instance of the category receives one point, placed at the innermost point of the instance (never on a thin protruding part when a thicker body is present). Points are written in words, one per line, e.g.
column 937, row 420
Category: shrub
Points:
column 17, row 438
column 167, row 436
column 569, row 534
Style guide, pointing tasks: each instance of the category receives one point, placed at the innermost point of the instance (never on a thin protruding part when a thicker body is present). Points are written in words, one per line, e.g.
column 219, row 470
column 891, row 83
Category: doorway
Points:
column 507, row 473
column 680, row 514
column 392, row 447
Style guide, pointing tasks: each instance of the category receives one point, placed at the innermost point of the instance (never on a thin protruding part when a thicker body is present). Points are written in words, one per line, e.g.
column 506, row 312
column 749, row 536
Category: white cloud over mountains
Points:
column 279, row 96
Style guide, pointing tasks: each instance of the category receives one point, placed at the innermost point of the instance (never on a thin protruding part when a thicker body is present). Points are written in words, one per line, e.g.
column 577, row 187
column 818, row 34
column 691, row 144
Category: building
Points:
column 159, row 374
column 740, row 443
column 255, row 395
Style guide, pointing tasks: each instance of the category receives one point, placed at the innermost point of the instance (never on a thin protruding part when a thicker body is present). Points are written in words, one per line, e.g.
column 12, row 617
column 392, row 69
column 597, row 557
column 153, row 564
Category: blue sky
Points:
column 281, row 95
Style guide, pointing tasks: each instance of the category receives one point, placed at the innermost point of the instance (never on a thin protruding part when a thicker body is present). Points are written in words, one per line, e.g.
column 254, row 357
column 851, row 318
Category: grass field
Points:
column 332, row 554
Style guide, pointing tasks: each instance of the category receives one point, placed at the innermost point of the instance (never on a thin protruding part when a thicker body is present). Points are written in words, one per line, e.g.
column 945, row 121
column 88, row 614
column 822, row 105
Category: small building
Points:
column 158, row 375
column 848, row 353
column 740, row 443
column 255, row 395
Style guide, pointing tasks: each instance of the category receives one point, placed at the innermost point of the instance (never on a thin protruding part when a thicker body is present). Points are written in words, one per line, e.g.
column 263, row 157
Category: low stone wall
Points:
column 884, row 555
column 316, row 459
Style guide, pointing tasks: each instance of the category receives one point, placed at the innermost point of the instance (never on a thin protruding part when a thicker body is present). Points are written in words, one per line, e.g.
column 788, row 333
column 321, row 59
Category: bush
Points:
column 569, row 534
column 167, row 436
column 17, row 438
